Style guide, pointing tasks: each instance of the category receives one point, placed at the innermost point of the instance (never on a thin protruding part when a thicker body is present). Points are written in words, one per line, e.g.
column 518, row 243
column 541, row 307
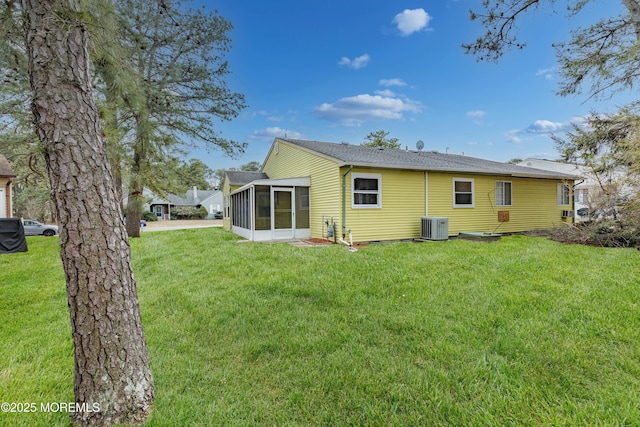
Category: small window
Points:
column 581, row 196
column 503, row 193
column 366, row 190
column 564, row 195
column 227, row 206
column 302, row 196
column 462, row 193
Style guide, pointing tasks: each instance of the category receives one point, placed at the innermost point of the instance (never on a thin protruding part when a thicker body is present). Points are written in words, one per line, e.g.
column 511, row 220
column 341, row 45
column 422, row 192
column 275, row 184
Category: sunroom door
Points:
column 282, row 213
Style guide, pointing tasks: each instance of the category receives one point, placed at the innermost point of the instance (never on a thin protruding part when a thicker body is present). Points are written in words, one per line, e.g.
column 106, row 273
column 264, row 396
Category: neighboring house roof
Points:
column 358, row 155
column 5, row 168
column 244, row 177
column 554, row 165
column 190, row 198
column 557, row 166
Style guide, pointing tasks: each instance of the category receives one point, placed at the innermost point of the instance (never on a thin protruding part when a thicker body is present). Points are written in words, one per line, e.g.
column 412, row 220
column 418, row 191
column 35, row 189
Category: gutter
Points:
column 518, row 174
column 344, row 201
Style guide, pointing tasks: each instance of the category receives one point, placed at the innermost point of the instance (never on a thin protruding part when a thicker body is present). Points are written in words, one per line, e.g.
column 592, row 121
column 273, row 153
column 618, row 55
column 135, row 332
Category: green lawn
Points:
column 524, row 331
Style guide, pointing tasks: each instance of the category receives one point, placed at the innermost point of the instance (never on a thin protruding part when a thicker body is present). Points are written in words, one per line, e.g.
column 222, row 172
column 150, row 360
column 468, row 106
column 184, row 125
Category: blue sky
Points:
column 337, row 70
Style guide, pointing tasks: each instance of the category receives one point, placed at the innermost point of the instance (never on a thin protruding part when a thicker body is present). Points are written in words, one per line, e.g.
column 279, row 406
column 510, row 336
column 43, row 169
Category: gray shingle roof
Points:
column 188, row 199
column 244, row 177
column 5, row 168
column 357, row 155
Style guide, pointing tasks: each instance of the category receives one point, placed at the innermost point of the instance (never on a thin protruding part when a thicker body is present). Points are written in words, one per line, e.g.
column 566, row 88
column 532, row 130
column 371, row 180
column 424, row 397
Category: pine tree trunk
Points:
column 136, row 188
column 111, row 360
column 134, row 211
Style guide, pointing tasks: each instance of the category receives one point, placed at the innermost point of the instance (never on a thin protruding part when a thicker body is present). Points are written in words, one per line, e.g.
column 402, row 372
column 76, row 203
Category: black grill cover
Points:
column 12, row 236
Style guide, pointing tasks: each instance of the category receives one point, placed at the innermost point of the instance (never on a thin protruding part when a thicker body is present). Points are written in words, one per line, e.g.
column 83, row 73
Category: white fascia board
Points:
column 289, row 182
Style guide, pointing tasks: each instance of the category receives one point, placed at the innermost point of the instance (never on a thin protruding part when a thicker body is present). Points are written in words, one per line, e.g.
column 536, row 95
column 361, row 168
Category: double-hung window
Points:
column 564, row 195
column 366, row 190
column 503, row 193
column 463, row 193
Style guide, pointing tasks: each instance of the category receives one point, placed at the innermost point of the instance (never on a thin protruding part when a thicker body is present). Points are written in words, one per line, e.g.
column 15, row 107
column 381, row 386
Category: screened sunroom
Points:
column 271, row 209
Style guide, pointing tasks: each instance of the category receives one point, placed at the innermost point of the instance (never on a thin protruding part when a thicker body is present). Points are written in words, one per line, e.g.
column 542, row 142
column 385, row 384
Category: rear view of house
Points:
column 6, row 178
column 324, row 190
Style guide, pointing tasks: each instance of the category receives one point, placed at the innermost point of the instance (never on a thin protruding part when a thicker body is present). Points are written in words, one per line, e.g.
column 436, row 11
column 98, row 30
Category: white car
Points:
column 35, row 228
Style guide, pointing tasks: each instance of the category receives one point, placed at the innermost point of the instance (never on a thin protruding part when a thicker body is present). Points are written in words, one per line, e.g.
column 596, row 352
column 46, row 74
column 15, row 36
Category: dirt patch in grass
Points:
column 318, row 241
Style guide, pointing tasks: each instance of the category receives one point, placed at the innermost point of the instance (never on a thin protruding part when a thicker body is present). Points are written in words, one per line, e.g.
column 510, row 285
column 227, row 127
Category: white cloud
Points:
column 513, row 136
column 392, row 82
column 476, row 114
column 275, row 132
column 547, row 73
column 411, row 21
column 388, row 93
column 356, row 63
column 545, row 127
column 355, row 110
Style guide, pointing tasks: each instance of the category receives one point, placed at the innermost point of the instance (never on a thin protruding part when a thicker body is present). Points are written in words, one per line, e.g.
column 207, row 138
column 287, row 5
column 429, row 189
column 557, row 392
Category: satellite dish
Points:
column 419, row 145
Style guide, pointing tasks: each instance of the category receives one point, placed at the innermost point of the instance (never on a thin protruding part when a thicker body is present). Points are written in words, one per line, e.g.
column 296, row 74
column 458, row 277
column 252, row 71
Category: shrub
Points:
column 149, row 216
column 184, row 212
column 606, row 233
column 202, row 212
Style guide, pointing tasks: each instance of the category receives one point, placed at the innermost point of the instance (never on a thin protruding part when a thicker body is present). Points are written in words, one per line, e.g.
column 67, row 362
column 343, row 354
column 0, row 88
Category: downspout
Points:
column 426, row 194
column 344, row 201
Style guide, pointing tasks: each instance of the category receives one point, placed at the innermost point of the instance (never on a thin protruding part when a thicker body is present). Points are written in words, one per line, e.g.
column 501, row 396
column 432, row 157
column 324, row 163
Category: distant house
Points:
column 322, row 189
column 6, row 178
column 211, row 200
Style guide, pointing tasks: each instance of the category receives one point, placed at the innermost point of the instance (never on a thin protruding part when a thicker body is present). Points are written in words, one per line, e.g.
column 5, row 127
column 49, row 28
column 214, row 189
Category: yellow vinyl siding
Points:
column 324, row 191
column 403, row 205
column 533, row 204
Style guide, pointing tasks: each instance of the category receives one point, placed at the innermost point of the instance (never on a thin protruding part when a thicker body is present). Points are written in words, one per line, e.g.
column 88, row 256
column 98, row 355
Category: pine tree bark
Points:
column 111, row 360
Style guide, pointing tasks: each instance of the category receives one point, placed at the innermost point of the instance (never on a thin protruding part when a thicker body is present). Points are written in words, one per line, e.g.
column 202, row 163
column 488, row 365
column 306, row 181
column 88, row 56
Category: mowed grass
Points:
column 524, row 331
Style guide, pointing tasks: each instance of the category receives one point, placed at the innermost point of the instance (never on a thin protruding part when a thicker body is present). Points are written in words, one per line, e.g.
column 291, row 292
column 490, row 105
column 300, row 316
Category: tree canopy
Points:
column 604, row 57
column 196, row 174
column 380, row 139
column 177, row 54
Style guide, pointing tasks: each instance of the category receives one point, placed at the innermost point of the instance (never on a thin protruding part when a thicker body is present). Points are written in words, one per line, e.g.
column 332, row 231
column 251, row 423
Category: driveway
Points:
column 180, row 224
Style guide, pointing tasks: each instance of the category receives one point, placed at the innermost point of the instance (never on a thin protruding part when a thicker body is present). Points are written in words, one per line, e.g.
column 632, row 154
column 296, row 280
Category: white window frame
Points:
column 473, row 198
column 501, row 192
column 356, row 175
column 564, row 198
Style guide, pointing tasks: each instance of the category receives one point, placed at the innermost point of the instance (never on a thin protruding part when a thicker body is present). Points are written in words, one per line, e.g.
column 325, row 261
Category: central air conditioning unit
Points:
column 434, row 228
column 567, row 214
